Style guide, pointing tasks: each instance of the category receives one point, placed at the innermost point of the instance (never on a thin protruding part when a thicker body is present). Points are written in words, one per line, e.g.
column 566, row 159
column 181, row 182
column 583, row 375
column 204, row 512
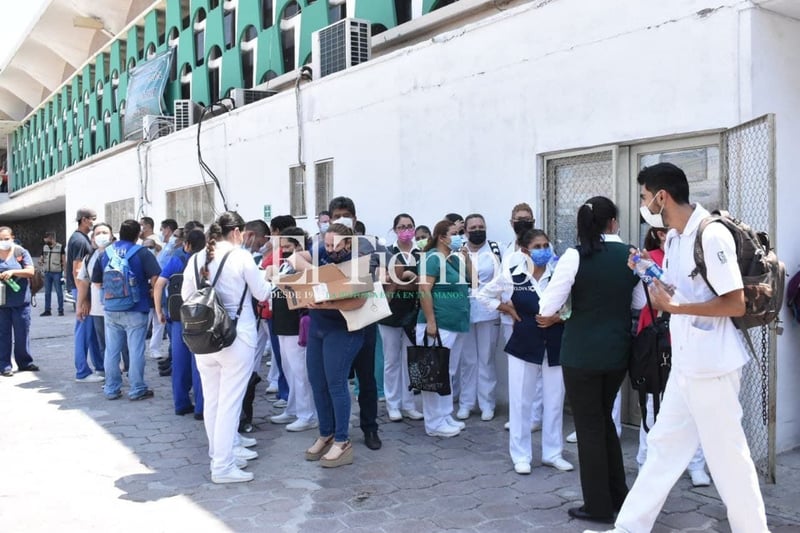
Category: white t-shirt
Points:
column 703, row 347
column 97, row 307
column 489, row 267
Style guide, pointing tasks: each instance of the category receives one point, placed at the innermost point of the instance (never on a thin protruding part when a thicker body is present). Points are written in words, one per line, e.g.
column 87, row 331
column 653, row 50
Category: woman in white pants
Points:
column 225, row 374
column 533, row 352
column 395, row 329
column 444, row 302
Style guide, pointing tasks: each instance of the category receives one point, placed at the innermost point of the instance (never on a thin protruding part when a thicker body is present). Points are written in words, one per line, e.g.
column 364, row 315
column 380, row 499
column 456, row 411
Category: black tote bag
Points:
column 429, row 367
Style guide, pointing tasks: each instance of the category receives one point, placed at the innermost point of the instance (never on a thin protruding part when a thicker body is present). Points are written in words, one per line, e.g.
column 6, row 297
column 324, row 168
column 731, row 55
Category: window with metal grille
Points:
column 297, row 191
column 323, row 175
column 118, row 211
column 191, row 203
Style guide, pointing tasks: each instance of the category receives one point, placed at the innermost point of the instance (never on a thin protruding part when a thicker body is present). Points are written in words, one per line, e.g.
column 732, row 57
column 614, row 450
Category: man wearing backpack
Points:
column 701, row 400
column 126, row 274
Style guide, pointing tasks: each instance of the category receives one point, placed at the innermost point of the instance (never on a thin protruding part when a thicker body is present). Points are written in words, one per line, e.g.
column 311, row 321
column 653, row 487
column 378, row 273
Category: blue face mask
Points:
column 541, row 256
column 457, row 242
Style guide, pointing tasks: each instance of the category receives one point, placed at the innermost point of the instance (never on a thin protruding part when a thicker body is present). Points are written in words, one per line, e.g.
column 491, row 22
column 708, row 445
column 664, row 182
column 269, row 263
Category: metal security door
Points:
column 570, row 181
column 748, row 172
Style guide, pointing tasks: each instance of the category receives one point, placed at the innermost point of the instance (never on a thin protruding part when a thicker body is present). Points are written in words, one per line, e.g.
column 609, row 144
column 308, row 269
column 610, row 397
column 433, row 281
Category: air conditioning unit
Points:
column 187, row 113
column 242, row 97
column 341, row 45
column 155, row 126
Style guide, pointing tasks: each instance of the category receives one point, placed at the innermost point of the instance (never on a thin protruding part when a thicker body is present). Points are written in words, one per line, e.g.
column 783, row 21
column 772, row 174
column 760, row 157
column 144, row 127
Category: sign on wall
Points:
column 145, row 95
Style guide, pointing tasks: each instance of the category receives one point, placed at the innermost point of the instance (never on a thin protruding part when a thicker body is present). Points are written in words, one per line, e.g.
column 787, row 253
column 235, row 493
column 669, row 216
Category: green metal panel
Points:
column 376, row 11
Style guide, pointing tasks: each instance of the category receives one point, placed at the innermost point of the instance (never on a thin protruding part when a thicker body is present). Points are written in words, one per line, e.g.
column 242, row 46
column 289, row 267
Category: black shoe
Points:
column 61, row 313
column 7, row 372
column 246, row 427
column 30, row 368
column 165, row 373
column 372, row 440
column 185, row 410
column 143, row 396
column 198, row 416
column 581, row 514
column 46, row 313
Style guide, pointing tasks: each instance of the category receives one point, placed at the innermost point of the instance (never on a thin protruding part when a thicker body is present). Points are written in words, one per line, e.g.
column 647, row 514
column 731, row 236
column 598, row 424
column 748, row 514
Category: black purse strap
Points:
column 653, row 315
column 438, row 339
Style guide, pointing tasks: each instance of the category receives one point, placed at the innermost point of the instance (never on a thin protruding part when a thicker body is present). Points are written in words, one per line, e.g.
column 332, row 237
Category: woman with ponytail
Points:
column 224, row 374
column 595, row 349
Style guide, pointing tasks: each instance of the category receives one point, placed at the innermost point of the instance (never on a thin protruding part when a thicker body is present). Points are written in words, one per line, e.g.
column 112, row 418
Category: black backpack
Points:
column 174, row 298
column 651, row 361
column 207, row 328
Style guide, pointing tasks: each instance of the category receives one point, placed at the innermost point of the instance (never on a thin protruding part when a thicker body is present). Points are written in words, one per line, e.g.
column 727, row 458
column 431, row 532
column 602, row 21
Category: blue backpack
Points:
column 120, row 286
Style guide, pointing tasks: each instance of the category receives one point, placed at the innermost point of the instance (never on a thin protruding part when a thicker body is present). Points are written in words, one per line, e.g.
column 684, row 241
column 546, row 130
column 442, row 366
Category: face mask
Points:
column 6, row 245
column 338, row 256
column 521, row 226
column 541, row 256
column 422, row 243
column 653, row 219
column 477, row 237
column 286, row 255
column 456, row 242
column 324, row 227
column 405, row 235
column 102, row 240
column 173, row 240
column 164, row 237
column 345, row 221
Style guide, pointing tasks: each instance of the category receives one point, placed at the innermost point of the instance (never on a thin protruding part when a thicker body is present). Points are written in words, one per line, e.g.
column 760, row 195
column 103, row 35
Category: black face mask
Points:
column 477, row 237
column 521, row 226
column 286, row 255
column 339, row 255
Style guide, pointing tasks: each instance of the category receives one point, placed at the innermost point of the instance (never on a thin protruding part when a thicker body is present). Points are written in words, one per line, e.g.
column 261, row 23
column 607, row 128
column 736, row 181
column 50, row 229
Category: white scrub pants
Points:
column 616, row 413
column 301, row 398
column 436, row 408
column 477, row 375
column 537, row 401
column 696, row 412
column 522, row 379
column 395, row 368
column 224, row 376
column 157, row 336
column 698, row 461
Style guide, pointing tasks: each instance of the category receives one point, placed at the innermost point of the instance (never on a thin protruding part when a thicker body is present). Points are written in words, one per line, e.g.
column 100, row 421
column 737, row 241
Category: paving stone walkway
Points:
column 75, row 462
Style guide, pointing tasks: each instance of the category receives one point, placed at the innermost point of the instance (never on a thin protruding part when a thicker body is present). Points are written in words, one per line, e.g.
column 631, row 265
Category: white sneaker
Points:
column 395, row 415
column 234, row 476
column 700, row 478
column 91, row 378
column 615, row 530
column 302, row 425
column 455, row 423
column 247, row 442
column 412, row 414
column 522, row 468
column 280, row 404
column 155, row 355
column 272, row 388
column 241, row 452
column 572, row 438
column 240, row 463
column 463, row 413
column 445, row 431
column 283, row 418
column 559, row 463
column 487, row 415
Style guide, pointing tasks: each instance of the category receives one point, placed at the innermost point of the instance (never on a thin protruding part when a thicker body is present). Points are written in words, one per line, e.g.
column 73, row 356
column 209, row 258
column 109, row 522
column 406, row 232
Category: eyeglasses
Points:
column 401, row 228
column 522, row 219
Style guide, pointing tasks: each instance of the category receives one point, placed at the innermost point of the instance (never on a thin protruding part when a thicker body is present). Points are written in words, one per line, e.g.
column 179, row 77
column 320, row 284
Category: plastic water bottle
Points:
column 649, row 271
column 13, row 284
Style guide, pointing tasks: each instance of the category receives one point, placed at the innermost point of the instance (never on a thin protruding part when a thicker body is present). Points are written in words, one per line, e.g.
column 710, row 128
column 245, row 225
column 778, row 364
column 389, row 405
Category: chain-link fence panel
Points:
column 570, row 182
column 748, row 170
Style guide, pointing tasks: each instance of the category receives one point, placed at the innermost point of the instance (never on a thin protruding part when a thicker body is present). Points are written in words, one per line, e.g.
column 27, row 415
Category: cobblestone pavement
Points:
column 74, row 462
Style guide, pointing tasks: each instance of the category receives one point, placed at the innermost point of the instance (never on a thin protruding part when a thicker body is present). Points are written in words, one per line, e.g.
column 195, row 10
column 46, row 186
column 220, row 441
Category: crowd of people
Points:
column 565, row 324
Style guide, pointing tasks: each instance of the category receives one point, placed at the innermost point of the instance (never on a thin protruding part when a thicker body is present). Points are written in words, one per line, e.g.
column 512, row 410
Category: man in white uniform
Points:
column 701, row 401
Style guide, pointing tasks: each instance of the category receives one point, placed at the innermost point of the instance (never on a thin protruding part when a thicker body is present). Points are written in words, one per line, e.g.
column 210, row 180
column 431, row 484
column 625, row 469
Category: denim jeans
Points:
column 86, row 343
column 52, row 280
column 329, row 355
column 283, row 384
column 100, row 333
column 185, row 376
column 17, row 319
column 122, row 326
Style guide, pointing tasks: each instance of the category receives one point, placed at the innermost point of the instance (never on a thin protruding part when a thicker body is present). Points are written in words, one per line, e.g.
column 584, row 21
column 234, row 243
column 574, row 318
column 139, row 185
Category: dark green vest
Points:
column 598, row 334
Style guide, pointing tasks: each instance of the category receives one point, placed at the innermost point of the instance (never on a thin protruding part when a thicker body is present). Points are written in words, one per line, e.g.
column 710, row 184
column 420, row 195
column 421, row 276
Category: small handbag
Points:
column 429, row 367
column 375, row 308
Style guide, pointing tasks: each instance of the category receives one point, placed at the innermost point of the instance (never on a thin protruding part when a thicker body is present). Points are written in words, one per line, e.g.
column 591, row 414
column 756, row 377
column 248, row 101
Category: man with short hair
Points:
column 701, row 402
column 129, row 324
column 78, row 247
column 168, row 228
column 52, row 265
column 148, row 224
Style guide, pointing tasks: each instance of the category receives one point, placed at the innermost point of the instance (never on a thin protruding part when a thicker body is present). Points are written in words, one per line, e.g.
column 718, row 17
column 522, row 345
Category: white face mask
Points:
column 345, row 221
column 323, row 227
column 653, row 219
column 102, row 240
column 6, row 245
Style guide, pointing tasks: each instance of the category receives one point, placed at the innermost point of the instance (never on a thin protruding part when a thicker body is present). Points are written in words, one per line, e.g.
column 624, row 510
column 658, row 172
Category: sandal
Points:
column 319, row 448
column 340, row 454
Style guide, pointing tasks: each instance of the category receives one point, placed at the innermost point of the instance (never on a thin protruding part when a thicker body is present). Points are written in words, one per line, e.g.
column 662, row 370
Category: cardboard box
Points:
column 326, row 283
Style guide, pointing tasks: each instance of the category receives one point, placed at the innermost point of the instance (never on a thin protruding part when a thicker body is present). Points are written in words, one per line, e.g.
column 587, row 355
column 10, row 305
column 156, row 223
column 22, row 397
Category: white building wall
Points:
column 776, row 88
column 457, row 123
